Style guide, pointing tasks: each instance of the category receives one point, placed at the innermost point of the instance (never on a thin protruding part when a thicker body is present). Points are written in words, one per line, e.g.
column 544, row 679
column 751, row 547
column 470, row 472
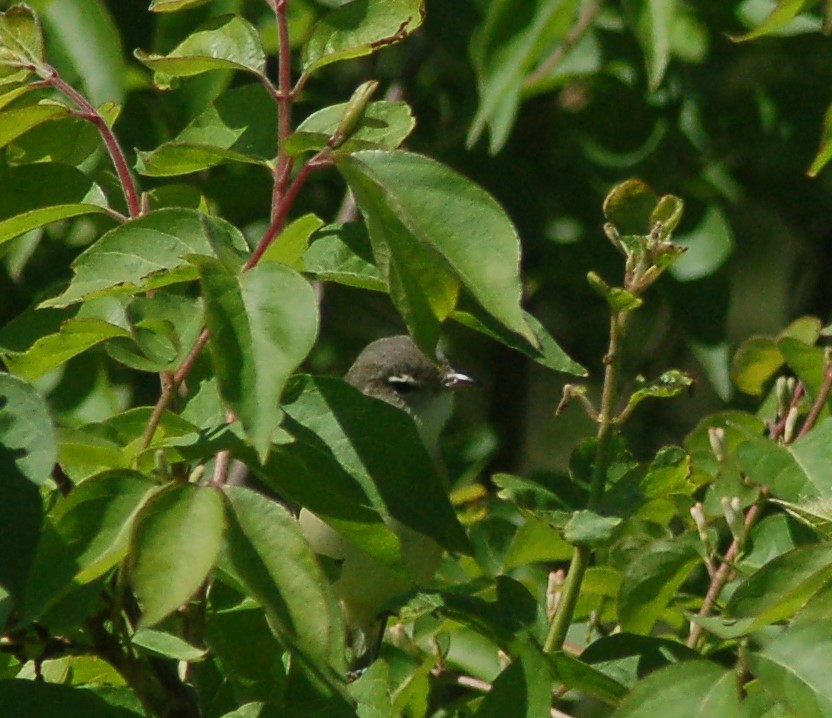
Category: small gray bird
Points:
column 395, row 370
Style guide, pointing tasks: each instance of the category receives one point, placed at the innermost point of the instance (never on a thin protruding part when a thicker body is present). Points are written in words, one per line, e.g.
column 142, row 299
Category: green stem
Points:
column 606, row 425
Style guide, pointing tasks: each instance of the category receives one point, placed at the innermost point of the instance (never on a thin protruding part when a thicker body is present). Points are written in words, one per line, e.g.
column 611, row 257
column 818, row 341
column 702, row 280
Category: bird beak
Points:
column 455, row 380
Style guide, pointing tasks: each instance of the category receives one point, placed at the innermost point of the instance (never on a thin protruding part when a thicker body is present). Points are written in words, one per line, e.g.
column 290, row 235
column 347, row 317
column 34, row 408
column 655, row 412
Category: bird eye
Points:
column 402, row 383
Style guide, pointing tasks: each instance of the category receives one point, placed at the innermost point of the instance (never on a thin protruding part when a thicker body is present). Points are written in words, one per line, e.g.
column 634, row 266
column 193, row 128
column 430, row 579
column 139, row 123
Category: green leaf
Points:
column 797, row 472
column 291, row 244
column 239, row 126
column 824, row 153
column 27, row 435
column 779, row 17
column 379, row 446
column 651, row 21
column 21, row 510
column 90, row 532
column 671, row 383
column 359, row 28
column 342, row 253
column 547, row 353
column 176, row 540
column 420, row 216
column 757, row 359
column 21, row 44
column 669, row 474
column 619, row 299
column 651, row 581
column 174, row 5
column 226, row 42
column 87, row 36
column 586, row 528
column 167, row 645
column 22, row 698
column 708, row 245
column 383, row 125
column 32, row 196
column 782, row 586
column 626, row 657
column 794, row 670
column 515, row 36
column 95, row 520
column 19, row 120
column 267, row 553
column 263, row 323
column 692, row 689
column 148, row 253
column 74, row 337
column 577, row 675
column 629, row 206
column 163, row 330
column 815, row 514
column 523, row 690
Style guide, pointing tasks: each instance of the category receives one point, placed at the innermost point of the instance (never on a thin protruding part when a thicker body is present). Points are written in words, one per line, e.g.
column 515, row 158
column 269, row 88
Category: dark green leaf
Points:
column 27, row 436
column 782, row 586
column 239, row 126
column 651, row 581
column 34, row 195
column 176, row 541
column 263, row 323
column 669, row 384
column 692, row 689
column 797, row 472
column 577, row 675
column 267, row 553
column 523, row 690
column 359, row 28
column 794, row 670
column 379, row 446
column 629, row 206
column 26, row 699
column 619, row 299
column 627, row 657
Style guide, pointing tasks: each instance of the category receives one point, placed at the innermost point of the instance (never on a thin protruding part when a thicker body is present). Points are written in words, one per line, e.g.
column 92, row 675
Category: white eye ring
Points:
column 403, row 383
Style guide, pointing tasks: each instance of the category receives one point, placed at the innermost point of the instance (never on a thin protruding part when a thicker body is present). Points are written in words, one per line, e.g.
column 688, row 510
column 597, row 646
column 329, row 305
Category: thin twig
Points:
column 820, row 400
column 90, row 113
column 722, row 576
column 579, row 29
column 283, row 168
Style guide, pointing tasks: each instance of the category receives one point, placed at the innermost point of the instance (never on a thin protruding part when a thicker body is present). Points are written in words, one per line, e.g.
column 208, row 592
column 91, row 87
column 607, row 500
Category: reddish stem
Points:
column 91, row 114
column 820, row 400
column 283, row 170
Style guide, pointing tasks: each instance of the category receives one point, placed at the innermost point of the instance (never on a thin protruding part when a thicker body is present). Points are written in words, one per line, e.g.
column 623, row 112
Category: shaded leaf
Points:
column 794, row 670
column 342, row 253
column 21, row 698
column 27, row 435
column 35, row 195
column 239, row 126
column 650, row 583
column 166, row 645
column 267, row 553
column 523, row 690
